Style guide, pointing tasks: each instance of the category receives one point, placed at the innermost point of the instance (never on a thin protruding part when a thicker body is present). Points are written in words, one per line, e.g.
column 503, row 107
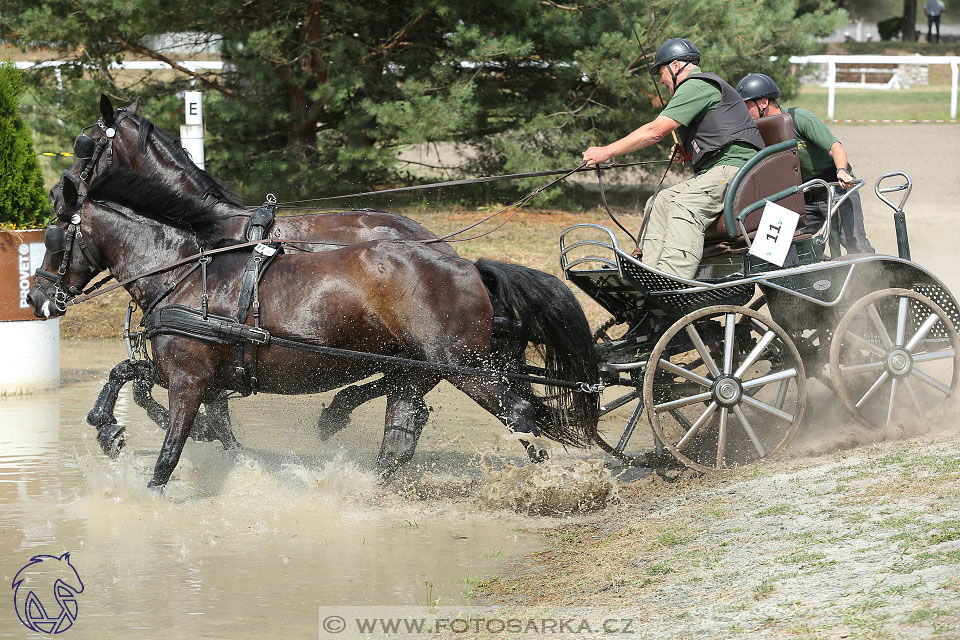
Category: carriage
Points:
column 718, row 365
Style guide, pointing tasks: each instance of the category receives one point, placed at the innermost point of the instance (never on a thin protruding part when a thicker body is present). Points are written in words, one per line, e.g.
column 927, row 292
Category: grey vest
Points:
column 729, row 122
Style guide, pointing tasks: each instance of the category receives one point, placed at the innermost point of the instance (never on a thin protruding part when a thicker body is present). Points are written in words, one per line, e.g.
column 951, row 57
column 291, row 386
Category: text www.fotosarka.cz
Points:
column 464, row 621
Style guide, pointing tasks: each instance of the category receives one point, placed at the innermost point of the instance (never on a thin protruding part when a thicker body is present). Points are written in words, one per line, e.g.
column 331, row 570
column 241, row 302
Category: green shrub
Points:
column 23, row 203
column 889, row 28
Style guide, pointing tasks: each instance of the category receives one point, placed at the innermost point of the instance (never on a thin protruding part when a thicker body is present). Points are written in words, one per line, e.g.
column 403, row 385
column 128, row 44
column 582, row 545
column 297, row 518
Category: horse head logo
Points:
column 39, row 578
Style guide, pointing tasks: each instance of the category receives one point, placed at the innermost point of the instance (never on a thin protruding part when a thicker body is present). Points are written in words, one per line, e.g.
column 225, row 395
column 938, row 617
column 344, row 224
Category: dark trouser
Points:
column 848, row 219
column 933, row 20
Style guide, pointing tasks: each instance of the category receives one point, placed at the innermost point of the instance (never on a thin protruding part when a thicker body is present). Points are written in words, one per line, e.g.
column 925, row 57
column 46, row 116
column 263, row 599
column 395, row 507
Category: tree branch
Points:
column 150, row 53
column 398, row 38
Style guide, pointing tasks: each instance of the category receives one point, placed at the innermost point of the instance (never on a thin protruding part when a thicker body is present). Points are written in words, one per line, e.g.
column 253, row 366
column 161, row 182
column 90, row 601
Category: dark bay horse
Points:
column 397, row 298
column 124, row 138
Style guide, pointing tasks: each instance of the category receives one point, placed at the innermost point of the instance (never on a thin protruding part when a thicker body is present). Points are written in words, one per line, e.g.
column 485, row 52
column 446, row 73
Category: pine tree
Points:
column 23, row 202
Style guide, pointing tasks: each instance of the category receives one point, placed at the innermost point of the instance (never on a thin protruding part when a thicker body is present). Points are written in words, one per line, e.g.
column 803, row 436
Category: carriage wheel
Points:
column 617, row 450
column 724, row 387
column 895, row 354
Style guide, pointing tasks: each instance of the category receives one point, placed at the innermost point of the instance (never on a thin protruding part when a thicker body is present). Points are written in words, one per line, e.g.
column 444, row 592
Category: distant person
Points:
column 933, row 10
column 821, row 156
column 718, row 135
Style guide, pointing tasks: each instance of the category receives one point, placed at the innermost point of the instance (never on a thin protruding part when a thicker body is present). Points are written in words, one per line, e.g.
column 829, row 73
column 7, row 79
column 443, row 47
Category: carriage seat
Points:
column 771, row 170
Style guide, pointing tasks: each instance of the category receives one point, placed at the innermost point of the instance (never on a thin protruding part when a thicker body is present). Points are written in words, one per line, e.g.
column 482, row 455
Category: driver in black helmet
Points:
column 718, row 135
column 821, row 156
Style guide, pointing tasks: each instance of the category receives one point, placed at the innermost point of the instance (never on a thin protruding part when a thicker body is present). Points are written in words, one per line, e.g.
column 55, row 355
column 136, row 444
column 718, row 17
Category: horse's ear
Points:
column 106, row 110
column 134, row 106
column 69, row 193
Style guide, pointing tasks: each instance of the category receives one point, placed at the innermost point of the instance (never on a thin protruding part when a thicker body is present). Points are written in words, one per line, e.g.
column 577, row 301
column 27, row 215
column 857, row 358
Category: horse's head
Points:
column 69, row 263
column 113, row 139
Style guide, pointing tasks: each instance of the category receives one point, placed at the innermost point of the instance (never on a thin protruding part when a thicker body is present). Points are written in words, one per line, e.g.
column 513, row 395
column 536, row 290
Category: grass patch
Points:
column 931, row 102
column 775, row 510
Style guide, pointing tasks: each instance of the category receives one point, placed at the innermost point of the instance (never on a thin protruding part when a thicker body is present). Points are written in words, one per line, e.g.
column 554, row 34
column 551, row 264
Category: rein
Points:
column 453, row 183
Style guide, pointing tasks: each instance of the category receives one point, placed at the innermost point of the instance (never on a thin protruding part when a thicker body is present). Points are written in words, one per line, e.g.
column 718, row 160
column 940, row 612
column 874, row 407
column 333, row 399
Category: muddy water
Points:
column 246, row 544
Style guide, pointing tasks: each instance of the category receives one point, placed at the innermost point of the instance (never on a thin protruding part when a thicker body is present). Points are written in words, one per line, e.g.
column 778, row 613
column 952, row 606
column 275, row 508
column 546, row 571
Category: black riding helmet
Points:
column 675, row 49
column 754, row 86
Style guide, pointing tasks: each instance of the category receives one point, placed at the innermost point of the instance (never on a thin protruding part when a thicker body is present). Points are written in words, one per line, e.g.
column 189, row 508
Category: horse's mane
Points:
column 211, row 184
column 155, row 199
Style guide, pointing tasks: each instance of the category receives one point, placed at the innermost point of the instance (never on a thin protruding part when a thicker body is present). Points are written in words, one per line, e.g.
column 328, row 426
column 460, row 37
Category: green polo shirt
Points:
column 693, row 100
column 814, row 140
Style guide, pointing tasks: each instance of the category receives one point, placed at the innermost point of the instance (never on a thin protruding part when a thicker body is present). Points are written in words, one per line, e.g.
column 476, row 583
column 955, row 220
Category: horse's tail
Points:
column 545, row 312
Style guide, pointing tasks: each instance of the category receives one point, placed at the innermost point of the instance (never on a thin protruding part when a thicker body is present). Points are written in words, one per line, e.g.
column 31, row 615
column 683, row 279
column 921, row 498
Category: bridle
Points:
column 88, row 151
column 57, row 240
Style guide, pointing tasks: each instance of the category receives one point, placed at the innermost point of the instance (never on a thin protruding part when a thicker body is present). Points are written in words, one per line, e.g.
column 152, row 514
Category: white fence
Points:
column 832, row 61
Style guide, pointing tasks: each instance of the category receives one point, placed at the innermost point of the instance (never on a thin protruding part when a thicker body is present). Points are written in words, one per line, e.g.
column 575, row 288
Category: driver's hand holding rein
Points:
column 717, row 135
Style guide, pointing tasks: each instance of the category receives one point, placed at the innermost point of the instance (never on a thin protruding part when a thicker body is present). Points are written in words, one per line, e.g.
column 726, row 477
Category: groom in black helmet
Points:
column 717, row 134
column 821, row 156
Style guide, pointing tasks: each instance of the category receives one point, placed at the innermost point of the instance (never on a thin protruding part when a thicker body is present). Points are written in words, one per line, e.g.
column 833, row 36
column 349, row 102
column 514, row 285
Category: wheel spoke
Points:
column 701, row 348
column 682, row 402
column 770, row 377
column 876, row 385
column 782, row 393
column 755, row 353
column 763, row 406
column 893, row 395
column 913, row 396
column 901, row 320
column 930, row 380
column 878, row 325
column 862, row 368
column 666, row 365
column 722, row 437
column 702, row 420
column 729, row 331
column 749, row 430
column 865, row 344
column 942, row 354
column 921, row 332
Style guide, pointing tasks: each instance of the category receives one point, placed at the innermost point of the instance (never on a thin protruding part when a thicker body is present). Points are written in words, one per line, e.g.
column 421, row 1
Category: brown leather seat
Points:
column 773, row 172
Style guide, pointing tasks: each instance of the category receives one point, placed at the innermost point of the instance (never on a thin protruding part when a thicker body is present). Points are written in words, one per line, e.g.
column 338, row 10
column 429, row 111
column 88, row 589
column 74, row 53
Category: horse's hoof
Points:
column 537, row 455
column 156, row 487
column 111, row 437
column 231, row 445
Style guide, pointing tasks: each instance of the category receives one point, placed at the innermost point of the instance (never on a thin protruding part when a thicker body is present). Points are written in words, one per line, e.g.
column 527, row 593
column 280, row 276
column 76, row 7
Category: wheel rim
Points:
column 724, row 387
column 895, row 358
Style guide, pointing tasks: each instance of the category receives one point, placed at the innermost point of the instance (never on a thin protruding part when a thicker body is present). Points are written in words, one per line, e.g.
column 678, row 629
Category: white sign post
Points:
column 191, row 133
column 773, row 238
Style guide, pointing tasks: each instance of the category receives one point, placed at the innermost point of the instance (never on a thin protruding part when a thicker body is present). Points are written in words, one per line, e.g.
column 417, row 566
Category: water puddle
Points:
column 250, row 543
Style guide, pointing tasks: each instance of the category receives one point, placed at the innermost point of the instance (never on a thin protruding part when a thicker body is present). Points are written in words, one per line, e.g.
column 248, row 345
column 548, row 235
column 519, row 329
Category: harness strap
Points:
column 262, row 257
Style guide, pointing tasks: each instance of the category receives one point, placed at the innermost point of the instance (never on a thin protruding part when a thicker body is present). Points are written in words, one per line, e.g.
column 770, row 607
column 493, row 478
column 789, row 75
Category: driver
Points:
column 719, row 137
column 821, row 156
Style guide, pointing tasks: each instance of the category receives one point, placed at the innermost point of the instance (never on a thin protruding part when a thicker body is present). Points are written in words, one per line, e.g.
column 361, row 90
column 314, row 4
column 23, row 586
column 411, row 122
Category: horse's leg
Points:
column 212, row 422
column 110, row 434
column 184, row 404
column 144, row 398
column 407, row 414
column 337, row 416
column 215, row 424
column 507, row 406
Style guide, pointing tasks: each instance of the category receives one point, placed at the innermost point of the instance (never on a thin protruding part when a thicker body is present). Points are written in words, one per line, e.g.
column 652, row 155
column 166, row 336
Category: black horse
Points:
column 124, row 138
column 396, row 298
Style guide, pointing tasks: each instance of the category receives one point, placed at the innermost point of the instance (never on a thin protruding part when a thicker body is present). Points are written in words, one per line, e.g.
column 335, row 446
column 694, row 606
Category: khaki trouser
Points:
column 673, row 238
